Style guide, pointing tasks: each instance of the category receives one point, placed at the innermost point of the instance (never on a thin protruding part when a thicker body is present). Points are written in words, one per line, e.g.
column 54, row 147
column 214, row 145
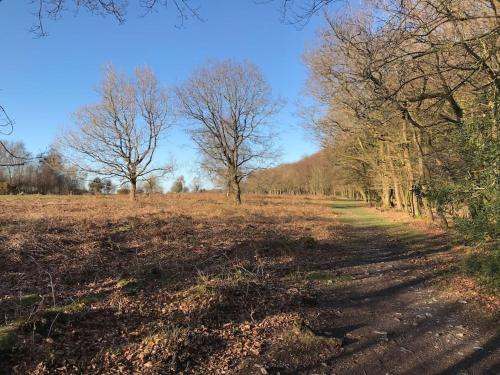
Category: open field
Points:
column 191, row 284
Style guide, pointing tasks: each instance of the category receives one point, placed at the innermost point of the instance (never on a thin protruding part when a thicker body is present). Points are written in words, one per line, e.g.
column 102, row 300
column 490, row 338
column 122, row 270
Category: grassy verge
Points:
column 483, row 266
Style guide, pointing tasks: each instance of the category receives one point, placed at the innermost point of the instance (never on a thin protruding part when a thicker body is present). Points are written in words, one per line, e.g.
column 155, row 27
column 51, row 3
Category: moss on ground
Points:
column 8, row 337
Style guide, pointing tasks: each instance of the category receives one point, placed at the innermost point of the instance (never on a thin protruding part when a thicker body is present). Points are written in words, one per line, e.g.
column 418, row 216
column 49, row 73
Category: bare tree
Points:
column 196, row 184
column 407, row 84
column 231, row 104
column 11, row 165
column 119, row 136
column 152, row 184
column 10, row 157
column 6, row 124
column 297, row 12
column 117, row 9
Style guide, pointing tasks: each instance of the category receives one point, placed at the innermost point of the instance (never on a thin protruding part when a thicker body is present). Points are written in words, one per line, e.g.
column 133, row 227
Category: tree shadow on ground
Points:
column 370, row 292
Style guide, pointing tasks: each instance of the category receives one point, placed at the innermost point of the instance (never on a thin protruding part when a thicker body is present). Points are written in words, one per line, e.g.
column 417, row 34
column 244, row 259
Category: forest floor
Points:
column 190, row 284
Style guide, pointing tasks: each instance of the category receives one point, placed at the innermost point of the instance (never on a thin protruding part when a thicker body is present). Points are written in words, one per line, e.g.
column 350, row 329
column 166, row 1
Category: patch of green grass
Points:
column 325, row 276
column 412, row 236
column 29, row 299
column 74, row 307
column 124, row 282
column 8, row 337
column 293, row 276
column 49, row 319
column 129, row 285
column 43, row 319
column 359, row 216
column 354, row 213
column 93, row 298
column 70, row 308
column 147, row 276
column 206, row 285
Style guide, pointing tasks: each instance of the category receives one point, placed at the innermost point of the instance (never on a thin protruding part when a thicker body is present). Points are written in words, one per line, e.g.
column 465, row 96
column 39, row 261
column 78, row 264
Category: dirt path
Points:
column 392, row 316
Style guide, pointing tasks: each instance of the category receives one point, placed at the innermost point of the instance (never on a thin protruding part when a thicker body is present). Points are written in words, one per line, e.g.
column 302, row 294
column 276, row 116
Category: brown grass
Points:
column 100, row 284
column 192, row 284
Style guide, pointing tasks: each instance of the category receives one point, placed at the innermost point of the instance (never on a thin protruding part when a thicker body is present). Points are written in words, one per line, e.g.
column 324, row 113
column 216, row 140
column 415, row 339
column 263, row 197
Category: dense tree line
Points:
column 49, row 174
column 410, row 97
column 311, row 175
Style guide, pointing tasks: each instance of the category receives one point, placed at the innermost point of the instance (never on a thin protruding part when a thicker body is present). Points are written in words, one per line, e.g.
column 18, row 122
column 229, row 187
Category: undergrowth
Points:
column 485, row 266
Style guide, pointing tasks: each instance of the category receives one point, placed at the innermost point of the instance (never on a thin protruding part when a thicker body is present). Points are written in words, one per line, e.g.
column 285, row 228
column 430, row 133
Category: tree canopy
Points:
column 118, row 137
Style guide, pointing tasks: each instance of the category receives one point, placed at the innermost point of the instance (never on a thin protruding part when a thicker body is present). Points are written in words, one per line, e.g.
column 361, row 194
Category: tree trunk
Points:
column 133, row 189
column 386, row 188
column 412, row 204
column 229, row 187
column 397, row 195
column 395, row 181
column 423, row 172
column 363, row 194
column 237, row 191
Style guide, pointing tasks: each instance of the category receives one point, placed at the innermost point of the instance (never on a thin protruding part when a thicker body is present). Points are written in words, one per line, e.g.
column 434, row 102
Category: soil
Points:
column 192, row 285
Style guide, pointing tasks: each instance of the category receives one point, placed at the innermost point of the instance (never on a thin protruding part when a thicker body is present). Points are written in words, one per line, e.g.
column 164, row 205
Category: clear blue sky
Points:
column 43, row 81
